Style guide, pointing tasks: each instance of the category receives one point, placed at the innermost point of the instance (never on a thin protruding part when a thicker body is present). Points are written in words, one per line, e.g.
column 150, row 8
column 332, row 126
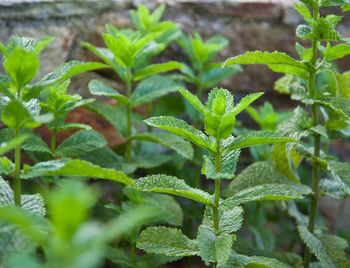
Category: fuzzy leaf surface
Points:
column 227, row 168
column 167, row 241
column 341, row 173
column 168, row 140
column 172, row 185
column 81, row 142
column 180, row 128
column 253, row 138
column 262, row 192
column 69, row 167
column 99, row 88
column 156, row 68
column 242, row 261
column 152, row 88
column 329, row 249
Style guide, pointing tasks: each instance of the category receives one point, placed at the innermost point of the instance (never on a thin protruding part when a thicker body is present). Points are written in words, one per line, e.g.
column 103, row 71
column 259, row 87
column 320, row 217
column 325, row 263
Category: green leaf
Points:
column 167, row 241
column 171, row 210
column 107, row 56
column 174, row 186
column 270, row 58
column 69, row 167
column 298, row 126
column 81, row 142
column 303, row 11
column 63, row 72
column 6, row 194
column 261, row 173
column 245, row 102
column 21, row 65
column 196, row 103
column 323, row 31
column 168, row 140
column 287, row 160
column 214, row 247
column 223, row 248
column 227, row 168
column 113, row 114
column 329, row 249
column 242, row 261
column 341, row 173
column 253, row 138
column 6, row 166
column 329, row 3
column 343, row 85
column 180, row 128
column 70, row 126
column 262, row 192
column 332, row 188
column 152, row 88
column 206, row 239
column 17, row 115
column 231, row 220
column 156, row 68
column 211, row 76
column 311, row 3
column 99, row 88
column 6, row 146
column 35, row 144
column 337, row 51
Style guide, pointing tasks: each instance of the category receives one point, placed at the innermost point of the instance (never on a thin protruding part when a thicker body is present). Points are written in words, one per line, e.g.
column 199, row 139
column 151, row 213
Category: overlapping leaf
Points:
column 69, row 167
column 167, row 241
column 174, row 186
column 168, row 140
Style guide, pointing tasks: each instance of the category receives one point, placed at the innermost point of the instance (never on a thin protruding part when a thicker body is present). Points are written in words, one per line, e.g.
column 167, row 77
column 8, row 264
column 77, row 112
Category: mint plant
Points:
column 222, row 217
column 20, row 109
column 126, row 54
column 315, row 82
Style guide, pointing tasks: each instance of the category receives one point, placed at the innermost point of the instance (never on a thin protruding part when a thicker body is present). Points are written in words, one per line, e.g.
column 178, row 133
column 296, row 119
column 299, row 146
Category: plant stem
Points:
column 128, row 117
column 217, row 186
column 149, row 114
column 16, row 178
column 317, row 146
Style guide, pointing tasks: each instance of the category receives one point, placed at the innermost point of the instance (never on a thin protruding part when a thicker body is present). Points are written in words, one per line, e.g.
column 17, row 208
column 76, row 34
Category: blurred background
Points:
column 247, row 24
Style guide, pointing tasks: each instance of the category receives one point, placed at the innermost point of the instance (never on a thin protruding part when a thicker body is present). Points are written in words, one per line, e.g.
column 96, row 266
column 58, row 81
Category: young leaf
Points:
column 99, row 88
column 152, row 88
column 196, row 103
column 16, row 115
column 227, row 169
column 214, row 247
column 341, row 173
column 332, row 189
column 245, row 102
column 168, row 140
column 21, row 65
column 172, row 185
column 69, row 167
column 6, row 194
column 181, row 128
column 81, row 142
column 211, row 76
column 329, row 3
column 231, row 220
column 63, row 72
column 167, row 241
column 6, row 166
column 329, row 249
column 253, row 138
column 6, row 146
column 156, row 68
column 262, row 192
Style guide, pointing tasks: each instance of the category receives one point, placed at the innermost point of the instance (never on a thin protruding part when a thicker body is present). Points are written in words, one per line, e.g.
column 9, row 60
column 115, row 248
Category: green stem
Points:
column 317, row 146
column 149, row 114
column 16, row 175
column 217, row 186
column 128, row 117
column 53, row 136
